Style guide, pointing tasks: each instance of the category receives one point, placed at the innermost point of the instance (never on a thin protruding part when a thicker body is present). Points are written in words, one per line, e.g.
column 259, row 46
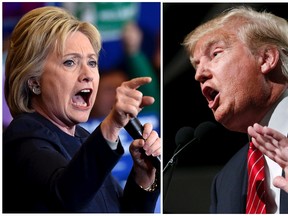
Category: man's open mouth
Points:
column 211, row 96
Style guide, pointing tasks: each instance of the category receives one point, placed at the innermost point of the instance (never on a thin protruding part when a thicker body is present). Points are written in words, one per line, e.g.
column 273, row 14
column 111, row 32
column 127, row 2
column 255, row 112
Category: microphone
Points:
column 205, row 132
column 135, row 130
column 183, row 136
column 186, row 135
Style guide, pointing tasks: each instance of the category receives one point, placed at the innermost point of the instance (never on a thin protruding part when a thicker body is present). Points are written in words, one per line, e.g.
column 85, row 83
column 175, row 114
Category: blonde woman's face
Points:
column 69, row 83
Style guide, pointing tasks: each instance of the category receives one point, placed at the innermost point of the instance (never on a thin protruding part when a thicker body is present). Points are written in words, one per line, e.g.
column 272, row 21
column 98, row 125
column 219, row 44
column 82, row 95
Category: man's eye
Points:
column 69, row 63
column 216, row 52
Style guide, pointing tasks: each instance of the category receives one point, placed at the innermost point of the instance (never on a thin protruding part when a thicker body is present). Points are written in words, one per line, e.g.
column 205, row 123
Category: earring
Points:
column 34, row 86
column 36, row 90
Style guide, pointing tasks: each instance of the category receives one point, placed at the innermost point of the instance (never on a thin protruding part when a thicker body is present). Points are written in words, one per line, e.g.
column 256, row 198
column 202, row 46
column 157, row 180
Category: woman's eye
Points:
column 93, row 63
column 69, row 63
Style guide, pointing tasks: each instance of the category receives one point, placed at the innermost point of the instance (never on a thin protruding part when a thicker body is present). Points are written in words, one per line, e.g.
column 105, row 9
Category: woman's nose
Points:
column 86, row 74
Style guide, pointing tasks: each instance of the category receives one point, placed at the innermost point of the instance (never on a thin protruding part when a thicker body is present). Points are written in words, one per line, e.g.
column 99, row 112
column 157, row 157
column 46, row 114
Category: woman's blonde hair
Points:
column 38, row 33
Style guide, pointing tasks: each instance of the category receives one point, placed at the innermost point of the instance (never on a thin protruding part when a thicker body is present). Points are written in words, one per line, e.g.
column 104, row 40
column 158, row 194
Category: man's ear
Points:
column 270, row 57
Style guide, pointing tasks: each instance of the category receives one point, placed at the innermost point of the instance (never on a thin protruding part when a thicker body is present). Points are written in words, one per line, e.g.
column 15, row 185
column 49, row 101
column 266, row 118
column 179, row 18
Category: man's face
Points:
column 230, row 78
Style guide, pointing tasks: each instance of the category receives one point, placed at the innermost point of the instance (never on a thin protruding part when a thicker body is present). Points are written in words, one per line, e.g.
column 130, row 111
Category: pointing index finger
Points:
column 137, row 82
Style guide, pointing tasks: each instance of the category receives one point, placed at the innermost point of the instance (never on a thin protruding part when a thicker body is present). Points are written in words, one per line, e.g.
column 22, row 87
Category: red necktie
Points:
column 255, row 203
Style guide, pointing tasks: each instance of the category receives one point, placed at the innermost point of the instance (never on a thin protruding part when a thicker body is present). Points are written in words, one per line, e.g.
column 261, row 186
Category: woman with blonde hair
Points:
column 50, row 163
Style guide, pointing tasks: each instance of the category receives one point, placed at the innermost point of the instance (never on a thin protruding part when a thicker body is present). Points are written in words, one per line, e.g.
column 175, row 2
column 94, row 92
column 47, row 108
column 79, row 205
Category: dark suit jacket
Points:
column 229, row 188
column 47, row 170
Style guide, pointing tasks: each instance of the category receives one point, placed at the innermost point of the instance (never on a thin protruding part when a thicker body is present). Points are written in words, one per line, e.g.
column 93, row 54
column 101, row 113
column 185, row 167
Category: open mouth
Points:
column 210, row 95
column 82, row 98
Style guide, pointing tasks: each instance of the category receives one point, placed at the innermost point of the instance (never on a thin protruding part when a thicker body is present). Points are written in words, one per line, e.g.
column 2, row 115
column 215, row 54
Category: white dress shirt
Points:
column 277, row 119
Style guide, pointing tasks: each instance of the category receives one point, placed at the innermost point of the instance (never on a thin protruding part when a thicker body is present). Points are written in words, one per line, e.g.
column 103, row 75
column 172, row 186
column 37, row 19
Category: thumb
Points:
column 281, row 182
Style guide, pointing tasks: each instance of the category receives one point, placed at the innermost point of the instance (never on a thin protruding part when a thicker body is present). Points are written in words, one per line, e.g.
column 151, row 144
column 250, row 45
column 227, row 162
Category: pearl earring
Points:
column 36, row 90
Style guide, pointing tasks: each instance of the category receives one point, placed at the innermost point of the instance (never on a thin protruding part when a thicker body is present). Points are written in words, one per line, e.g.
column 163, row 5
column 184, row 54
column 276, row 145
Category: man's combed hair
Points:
column 253, row 28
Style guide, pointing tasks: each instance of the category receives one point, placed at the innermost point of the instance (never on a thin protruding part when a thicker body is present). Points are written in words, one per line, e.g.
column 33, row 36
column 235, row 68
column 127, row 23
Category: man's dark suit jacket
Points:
column 229, row 188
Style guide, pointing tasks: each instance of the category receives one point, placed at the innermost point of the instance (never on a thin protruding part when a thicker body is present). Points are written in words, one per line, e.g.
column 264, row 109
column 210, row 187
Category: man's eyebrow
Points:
column 212, row 41
column 219, row 39
column 204, row 47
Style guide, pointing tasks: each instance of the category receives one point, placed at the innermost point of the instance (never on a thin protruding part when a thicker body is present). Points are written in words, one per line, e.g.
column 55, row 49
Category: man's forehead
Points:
column 211, row 38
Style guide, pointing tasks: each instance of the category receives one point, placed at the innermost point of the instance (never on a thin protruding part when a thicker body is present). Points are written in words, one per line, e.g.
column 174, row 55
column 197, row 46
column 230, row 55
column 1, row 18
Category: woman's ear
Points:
column 270, row 58
column 34, row 85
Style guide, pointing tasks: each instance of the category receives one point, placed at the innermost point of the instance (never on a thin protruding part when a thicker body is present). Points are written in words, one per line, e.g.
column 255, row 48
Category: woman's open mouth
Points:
column 82, row 98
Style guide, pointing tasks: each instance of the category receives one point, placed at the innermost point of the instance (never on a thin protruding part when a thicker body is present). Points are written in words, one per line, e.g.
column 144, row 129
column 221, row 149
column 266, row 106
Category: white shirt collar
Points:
column 277, row 117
